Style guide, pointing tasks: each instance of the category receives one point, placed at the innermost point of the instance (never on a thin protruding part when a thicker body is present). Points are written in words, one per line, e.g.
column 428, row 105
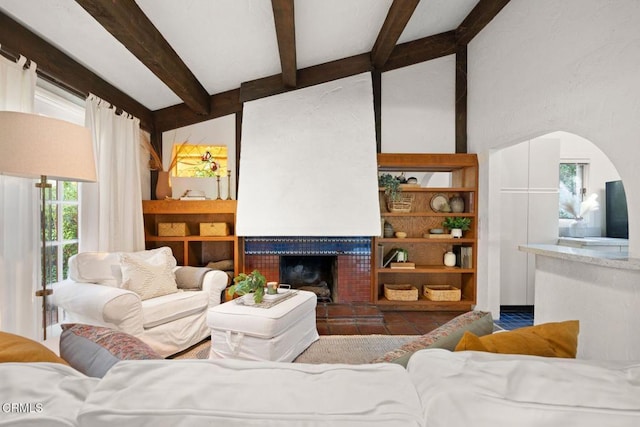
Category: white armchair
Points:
column 118, row 290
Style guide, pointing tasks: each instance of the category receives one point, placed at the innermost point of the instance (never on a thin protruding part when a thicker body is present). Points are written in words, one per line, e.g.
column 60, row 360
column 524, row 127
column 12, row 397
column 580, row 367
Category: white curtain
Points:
column 111, row 208
column 20, row 310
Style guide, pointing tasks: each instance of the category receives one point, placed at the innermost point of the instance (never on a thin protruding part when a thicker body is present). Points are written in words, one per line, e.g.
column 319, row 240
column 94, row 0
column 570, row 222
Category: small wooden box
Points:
column 172, row 229
column 214, row 229
column 401, row 292
column 441, row 293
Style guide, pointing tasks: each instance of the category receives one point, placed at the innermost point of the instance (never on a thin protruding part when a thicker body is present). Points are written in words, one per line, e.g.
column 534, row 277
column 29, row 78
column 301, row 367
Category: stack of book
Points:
column 405, row 265
column 193, row 195
column 464, row 256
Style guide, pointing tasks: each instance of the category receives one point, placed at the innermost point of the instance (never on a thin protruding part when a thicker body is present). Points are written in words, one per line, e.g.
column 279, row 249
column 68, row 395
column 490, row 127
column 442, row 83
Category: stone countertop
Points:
column 593, row 241
column 619, row 260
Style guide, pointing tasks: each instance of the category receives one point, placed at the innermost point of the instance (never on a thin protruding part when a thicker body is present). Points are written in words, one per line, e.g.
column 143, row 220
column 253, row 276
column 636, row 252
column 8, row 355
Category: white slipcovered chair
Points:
column 143, row 294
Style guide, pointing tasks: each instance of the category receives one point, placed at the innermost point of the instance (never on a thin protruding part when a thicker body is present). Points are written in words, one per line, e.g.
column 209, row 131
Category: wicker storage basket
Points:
column 401, row 204
column 214, row 229
column 401, row 292
column 441, row 293
column 172, row 229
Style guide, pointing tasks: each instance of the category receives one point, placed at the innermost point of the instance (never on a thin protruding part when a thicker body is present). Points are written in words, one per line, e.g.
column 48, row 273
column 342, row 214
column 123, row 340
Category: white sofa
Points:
column 97, row 294
column 438, row 388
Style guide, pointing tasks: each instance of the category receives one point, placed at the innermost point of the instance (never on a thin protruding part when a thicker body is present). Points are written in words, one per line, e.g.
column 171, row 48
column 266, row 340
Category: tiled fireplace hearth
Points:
column 342, row 265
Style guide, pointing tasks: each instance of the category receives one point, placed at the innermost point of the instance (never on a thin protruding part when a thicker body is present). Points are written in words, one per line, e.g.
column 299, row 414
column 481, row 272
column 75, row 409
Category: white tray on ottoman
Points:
column 278, row 333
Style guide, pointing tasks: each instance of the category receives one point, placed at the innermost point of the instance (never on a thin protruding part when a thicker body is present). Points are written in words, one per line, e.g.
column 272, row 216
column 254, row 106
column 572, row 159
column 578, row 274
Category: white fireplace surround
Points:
column 308, row 163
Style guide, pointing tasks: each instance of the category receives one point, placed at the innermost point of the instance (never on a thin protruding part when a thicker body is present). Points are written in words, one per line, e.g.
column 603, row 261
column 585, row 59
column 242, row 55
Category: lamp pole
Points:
column 43, row 292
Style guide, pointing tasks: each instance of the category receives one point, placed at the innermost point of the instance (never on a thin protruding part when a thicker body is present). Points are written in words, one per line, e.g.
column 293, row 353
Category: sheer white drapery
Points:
column 111, row 209
column 20, row 248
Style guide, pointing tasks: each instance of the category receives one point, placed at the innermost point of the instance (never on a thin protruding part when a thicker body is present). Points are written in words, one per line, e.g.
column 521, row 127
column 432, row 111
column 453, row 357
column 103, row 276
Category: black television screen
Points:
column 616, row 210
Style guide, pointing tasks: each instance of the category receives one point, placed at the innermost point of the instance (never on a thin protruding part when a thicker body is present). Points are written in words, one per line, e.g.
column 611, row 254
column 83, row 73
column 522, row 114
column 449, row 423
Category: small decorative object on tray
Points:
column 441, row 293
column 401, row 292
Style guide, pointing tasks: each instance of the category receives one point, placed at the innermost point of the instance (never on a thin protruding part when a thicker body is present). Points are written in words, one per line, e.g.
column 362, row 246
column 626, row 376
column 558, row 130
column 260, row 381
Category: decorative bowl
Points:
column 401, row 234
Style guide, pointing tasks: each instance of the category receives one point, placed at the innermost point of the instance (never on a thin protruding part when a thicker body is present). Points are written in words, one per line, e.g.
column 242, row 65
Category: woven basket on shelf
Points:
column 441, row 293
column 402, row 203
column 401, row 292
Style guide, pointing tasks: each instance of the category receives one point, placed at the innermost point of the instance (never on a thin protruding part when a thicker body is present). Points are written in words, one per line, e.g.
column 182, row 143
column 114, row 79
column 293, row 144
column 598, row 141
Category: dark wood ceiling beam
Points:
column 55, row 66
column 478, row 18
column 397, row 18
column 286, row 32
column 180, row 115
column 421, row 50
column 126, row 22
column 272, row 85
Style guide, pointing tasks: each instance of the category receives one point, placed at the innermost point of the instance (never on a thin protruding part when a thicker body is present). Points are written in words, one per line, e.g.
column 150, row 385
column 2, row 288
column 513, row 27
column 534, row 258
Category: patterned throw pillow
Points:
column 151, row 277
column 445, row 336
column 93, row 350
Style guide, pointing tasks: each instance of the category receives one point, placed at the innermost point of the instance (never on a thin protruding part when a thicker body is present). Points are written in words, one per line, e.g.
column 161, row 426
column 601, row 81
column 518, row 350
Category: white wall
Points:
column 220, row 131
column 418, row 108
column 553, row 65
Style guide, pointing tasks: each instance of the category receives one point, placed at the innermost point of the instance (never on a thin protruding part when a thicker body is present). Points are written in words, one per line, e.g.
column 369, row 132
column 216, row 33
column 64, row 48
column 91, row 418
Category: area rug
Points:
column 350, row 349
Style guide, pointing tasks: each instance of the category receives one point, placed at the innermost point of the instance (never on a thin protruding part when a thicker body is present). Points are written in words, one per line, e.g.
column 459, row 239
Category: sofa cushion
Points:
column 556, row 339
column 93, row 350
column 16, row 348
column 250, row 393
column 149, row 277
column 486, row 389
column 42, row 394
column 103, row 268
column 445, row 336
column 167, row 308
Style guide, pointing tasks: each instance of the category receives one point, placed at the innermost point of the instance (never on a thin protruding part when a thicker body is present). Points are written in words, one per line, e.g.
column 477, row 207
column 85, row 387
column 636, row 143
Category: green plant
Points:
column 246, row 283
column 391, row 185
column 452, row 222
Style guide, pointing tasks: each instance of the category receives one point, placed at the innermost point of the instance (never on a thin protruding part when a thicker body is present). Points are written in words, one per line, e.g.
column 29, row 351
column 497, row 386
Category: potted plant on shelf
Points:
column 456, row 224
column 251, row 284
column 396, row 201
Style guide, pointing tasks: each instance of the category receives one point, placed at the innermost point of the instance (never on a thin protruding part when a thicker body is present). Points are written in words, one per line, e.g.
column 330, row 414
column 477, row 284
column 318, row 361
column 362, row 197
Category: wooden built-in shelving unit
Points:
column 427, row 253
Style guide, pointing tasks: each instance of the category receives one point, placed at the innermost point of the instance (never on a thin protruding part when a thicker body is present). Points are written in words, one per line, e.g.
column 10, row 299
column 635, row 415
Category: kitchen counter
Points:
column 609, row 244
column 601, row 289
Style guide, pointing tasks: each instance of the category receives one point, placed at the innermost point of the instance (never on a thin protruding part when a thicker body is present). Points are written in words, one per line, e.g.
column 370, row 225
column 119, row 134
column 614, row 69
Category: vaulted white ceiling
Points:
column 225, row 42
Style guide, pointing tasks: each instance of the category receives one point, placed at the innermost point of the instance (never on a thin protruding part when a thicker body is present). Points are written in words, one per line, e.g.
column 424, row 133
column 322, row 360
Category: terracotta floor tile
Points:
column 399, row 328
column 394, row 317
column 339, row 310
column 372, row 329
column 343, row 329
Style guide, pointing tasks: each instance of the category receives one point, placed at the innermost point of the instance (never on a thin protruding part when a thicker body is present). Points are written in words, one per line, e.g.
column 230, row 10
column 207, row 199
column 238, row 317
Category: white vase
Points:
column 249, row 299
column 450, row 259
column 578, row 228
column 456, row 233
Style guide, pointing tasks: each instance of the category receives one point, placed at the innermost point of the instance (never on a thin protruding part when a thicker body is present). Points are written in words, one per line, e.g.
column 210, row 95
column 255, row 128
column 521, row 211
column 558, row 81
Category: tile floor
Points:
column 365, row 319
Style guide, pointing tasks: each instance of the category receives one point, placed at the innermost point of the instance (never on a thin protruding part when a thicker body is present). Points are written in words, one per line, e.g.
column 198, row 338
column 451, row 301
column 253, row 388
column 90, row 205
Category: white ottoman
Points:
column 279, row 333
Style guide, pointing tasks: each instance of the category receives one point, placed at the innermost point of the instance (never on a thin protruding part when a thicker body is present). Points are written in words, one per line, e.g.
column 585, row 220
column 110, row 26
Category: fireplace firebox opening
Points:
column 312, row 273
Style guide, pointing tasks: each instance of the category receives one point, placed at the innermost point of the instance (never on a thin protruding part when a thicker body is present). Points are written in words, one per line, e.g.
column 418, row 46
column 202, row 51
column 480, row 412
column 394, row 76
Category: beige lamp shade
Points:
column 34, row 146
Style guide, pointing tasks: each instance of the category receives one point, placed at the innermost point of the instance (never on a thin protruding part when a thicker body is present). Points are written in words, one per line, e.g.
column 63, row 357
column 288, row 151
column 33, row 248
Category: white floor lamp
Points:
column 35, row 146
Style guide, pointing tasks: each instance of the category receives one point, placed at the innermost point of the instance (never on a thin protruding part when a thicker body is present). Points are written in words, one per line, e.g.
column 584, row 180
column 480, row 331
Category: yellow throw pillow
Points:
column 557, row 339
column 14, row 348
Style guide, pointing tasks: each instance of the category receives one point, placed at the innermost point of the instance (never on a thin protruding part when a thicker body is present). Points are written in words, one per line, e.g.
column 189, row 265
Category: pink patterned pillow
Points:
column 93, row 350
column 446, row 336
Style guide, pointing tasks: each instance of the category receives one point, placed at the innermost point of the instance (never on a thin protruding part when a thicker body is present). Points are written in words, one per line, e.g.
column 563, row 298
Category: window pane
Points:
column 52, row 264
column 70, row 191
column 51, row 193
column 70, row 222
column 571, row 189
column 51, row 222
column 67, row 252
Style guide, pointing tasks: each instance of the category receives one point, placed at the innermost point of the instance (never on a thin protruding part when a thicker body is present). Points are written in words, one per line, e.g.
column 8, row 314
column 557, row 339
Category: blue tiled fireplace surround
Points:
column 307, row 246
